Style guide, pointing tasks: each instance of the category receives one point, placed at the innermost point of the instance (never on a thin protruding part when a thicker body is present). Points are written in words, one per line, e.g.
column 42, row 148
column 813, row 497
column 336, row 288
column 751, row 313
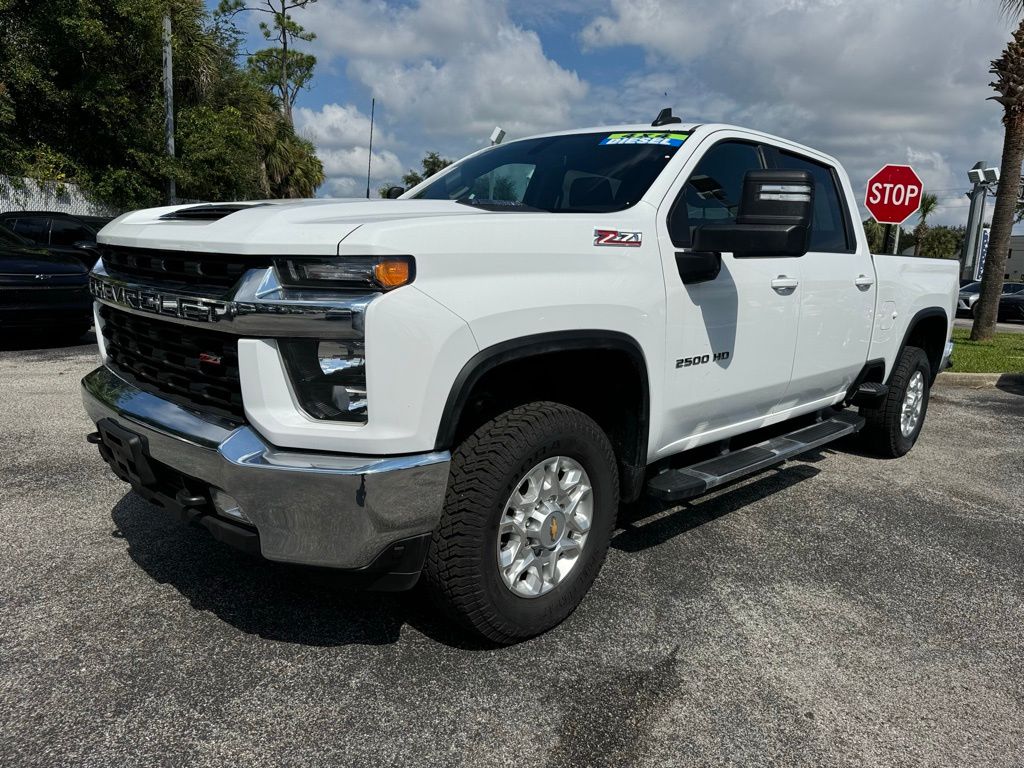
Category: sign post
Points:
column 893, row 196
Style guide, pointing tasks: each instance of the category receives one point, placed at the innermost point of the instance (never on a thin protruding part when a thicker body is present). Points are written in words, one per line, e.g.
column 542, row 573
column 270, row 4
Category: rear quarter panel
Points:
column 906, row 286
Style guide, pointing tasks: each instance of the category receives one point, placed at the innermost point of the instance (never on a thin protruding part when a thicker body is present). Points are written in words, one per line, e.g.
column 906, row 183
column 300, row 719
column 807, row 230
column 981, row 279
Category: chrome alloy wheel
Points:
column 913, row 401
column 544, row 526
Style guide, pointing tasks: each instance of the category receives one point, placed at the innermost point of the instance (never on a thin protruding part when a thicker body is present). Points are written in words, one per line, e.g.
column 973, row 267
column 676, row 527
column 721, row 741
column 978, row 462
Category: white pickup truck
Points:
column 462, row 385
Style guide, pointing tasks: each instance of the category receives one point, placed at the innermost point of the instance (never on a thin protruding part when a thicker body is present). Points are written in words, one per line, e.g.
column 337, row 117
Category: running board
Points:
column 685, row 483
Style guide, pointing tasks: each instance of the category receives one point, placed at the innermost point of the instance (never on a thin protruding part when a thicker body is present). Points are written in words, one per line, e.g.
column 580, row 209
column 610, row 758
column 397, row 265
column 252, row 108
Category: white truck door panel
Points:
column 729, row 341
column 838, row 291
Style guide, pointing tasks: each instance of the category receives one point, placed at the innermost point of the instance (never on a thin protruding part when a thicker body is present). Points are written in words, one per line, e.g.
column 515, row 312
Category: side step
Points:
column 679, row 484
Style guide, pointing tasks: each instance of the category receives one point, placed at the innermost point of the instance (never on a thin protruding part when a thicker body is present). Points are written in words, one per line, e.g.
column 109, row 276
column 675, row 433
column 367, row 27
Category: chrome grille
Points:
column 198, row 369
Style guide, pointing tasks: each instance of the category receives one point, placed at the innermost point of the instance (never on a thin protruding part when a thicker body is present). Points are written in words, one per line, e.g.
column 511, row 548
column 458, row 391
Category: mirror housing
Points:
column 774, row 217
column 393, row 193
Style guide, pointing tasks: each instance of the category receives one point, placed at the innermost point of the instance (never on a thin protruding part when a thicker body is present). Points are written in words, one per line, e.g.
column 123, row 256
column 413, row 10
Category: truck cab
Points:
column 462, row 385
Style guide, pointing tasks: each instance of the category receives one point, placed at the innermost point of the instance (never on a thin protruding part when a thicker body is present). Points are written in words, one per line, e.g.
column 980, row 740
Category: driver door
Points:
column 731, row 341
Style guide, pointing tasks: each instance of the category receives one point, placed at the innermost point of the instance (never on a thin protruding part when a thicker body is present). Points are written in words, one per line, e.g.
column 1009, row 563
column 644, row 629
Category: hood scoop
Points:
column 207, row 212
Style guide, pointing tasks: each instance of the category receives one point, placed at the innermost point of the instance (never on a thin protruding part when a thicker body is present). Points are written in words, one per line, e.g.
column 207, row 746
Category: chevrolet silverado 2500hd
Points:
column 463, row 384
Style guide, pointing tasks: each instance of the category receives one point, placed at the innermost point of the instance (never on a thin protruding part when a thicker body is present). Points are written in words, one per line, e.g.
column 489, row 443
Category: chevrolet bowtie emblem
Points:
column 43, row 277
column 554, row 528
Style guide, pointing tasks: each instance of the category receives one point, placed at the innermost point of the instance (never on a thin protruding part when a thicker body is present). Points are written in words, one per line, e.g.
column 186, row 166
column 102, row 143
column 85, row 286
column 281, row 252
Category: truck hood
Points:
column 286, row 227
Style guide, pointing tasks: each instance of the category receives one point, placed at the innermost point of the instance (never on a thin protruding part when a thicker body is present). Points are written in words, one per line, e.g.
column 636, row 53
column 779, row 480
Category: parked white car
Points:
column 463, row 384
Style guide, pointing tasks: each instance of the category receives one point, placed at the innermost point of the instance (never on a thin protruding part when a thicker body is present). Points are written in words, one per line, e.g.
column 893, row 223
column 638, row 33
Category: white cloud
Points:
column 341, row 134
column 443, row 72
column 870, row 82
column 454, row 68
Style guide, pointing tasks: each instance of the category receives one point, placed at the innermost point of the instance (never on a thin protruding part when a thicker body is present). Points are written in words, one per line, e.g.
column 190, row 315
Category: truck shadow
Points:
column 316, row 607
column 274, row 601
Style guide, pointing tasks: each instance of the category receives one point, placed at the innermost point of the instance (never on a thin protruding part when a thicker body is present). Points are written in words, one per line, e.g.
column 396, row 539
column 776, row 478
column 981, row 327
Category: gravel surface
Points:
column 840, row 611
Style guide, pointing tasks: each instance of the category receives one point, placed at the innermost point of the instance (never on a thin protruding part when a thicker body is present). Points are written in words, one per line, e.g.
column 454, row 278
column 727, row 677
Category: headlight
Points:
column 329, row 377
column 374, row 272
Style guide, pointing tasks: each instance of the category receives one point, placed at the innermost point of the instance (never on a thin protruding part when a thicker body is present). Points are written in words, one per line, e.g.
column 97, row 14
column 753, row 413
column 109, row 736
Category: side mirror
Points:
column 393, row 193
column 698, row 266
column 774, row 217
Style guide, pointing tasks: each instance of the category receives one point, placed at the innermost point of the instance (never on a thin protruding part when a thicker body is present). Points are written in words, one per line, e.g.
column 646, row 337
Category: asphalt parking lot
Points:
column 840, row 611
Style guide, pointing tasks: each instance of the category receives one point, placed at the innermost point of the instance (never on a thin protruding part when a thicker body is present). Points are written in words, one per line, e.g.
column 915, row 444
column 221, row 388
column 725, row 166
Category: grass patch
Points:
column 1003, row 354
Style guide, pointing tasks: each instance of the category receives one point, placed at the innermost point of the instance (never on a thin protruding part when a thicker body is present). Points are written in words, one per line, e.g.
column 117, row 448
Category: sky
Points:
column 868, row 81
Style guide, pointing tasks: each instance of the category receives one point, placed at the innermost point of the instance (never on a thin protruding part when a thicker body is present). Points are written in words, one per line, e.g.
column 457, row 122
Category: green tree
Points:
column 1009, row 87
column 942, row 242
column 876, row 235
column 281, row 69
column 81, row 101
column 929, row 203
column 431, row 163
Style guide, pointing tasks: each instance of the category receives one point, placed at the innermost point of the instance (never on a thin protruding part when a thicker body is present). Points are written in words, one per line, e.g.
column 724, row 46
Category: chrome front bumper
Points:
column 947, row 357
column 331, row 510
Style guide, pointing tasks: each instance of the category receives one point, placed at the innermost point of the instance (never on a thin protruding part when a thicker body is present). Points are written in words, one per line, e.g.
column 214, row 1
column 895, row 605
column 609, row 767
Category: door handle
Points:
column 864, row 282
column 784, row 285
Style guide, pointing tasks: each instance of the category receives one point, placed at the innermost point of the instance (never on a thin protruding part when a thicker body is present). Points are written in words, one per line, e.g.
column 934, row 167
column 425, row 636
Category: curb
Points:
column 979, row 380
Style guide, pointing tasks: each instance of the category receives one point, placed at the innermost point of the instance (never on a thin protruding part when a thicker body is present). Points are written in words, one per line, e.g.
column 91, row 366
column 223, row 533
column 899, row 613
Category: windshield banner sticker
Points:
column 615, row 237
column 664, row 139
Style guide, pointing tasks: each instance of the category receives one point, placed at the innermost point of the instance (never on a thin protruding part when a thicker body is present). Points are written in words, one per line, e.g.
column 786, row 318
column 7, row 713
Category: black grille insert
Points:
column 186, row 268
column 198, row 369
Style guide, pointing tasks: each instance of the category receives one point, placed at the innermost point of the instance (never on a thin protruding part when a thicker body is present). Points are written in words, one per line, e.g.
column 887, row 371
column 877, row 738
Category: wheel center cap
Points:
column 552, row 529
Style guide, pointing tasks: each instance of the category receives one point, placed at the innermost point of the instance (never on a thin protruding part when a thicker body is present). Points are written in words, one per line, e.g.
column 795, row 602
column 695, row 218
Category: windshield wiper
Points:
column 498, row 205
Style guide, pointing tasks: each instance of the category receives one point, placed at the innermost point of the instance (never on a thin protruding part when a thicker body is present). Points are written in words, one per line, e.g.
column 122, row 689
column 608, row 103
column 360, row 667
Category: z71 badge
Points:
column 615, row 237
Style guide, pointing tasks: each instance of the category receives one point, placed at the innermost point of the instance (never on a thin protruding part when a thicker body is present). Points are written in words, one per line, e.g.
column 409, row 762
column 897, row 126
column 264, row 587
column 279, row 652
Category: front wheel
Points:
column 530, row 508
column 893, row 428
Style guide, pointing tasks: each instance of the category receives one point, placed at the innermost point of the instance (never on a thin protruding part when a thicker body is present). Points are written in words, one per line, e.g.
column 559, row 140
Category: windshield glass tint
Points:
column 581, row 173
column 970, row 287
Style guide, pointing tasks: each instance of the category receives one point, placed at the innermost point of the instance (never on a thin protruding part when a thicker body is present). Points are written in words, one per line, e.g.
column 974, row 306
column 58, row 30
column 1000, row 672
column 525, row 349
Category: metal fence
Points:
column 36, row 195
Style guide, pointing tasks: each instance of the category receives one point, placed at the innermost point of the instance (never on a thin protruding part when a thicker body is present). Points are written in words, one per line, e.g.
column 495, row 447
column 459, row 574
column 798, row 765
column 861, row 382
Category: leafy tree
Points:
column 281, row 69
column 942, row 242
column 929, row 203
column 876, row 234
column 1009, row 87
column 81, row 100
column 431, row 163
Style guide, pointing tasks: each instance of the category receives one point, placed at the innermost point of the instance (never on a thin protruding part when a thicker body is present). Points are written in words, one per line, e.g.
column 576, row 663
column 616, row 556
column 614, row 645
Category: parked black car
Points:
column 41, row 291
column 60, row 233
column 1011, row 307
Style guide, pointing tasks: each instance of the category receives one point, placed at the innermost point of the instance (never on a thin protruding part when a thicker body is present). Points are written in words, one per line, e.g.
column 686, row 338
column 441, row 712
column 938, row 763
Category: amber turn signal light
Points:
column 392, row 273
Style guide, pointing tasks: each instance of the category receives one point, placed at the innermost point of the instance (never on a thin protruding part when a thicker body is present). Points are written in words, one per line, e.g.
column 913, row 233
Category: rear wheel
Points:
column 893, row 428
column 530, row 508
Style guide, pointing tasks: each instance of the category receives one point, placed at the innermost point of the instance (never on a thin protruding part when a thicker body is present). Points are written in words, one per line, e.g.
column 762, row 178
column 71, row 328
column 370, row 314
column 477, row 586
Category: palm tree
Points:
column 1009, row 85
column 929, row 203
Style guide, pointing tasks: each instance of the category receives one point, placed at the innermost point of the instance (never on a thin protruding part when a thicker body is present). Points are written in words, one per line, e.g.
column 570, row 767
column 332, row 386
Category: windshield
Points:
column 970, row 287
column 579, row 173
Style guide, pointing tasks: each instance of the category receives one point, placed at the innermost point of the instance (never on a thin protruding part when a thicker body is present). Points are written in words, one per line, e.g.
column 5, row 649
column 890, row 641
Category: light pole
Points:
column 169, row 102
column 984, row 180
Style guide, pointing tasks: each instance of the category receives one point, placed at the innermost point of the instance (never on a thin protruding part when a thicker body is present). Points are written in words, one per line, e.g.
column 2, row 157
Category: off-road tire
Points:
column 461, row 570
column 881, row 434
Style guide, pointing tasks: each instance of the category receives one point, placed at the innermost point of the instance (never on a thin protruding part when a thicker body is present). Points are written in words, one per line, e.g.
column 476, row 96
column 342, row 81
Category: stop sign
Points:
column 894, row 194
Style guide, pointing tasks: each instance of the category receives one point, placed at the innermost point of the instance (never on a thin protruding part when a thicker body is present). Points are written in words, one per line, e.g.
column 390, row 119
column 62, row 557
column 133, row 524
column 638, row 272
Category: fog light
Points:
column 228, row 507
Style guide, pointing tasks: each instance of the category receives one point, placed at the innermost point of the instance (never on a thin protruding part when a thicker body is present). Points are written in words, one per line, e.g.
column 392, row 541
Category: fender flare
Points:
column 922, row 314
column 491, row 357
